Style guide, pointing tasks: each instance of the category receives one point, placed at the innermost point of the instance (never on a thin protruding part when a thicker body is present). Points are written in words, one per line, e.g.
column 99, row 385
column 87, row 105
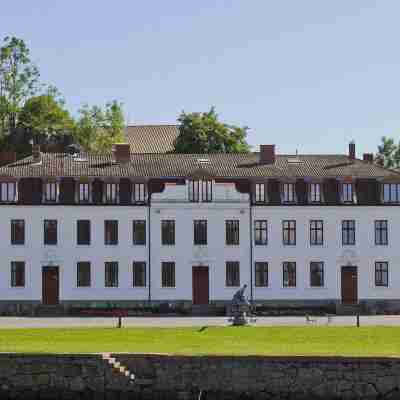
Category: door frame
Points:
column 204, row 268
column 349, row 268
column 46, row 268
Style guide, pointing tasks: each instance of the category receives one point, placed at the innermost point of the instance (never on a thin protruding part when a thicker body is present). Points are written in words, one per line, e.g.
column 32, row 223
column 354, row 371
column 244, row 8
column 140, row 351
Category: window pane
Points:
column 111, row 232
column 50, row 232
column 316, row 274
column 200, row 232
column 232, row 274
column 261, row 274
column 17, row 274
column 83, row 274
column 289, row 274
column 382, row 274
column 139, row 274
column 139, row 232
column 260, row 232
column 111, row 274
column 83, row 232
column 168, row 274
column 232, row 232
column 18, row 232
column 168, row 232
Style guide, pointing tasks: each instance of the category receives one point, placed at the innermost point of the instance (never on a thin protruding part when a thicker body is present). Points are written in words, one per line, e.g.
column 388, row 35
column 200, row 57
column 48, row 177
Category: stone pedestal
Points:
column 239, row 315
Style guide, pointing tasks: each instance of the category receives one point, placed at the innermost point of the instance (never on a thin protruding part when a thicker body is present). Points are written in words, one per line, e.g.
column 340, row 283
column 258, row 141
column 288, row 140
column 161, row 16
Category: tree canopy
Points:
column 388, row 154
column 204, row 133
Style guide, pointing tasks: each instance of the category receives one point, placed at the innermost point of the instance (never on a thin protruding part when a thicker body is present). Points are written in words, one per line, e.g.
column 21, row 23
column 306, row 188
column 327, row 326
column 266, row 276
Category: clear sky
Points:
column 308, row 75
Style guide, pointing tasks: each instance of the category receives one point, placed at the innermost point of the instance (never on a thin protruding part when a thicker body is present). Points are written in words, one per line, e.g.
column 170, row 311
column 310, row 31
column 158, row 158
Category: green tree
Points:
column 97, row 130
column 204, row 133
column 45, row 116
column 388, row 153
column 19, row 79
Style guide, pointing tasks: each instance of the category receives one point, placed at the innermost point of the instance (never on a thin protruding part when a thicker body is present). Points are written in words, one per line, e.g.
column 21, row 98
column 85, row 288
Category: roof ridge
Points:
column 142, row 125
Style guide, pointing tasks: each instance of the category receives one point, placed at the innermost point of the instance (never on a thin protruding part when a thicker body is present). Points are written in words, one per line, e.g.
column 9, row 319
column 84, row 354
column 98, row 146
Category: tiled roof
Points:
column 151, row 138
column 183, row 165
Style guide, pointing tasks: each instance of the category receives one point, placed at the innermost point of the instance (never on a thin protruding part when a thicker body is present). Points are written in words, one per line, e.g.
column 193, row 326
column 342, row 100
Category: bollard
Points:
column 358, row 320
column 119, row 321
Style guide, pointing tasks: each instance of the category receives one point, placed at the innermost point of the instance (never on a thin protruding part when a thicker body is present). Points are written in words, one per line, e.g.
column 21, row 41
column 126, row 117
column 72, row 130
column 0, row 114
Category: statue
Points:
column 240, row 307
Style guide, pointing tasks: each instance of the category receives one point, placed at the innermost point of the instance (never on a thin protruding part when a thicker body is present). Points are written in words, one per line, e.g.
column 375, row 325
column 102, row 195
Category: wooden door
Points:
column 200, row 285
column 50, row 285
column 349, row 285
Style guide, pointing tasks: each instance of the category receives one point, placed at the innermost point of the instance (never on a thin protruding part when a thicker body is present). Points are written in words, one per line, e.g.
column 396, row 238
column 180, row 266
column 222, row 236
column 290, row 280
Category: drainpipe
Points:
column 251, row 250
column 149, row 246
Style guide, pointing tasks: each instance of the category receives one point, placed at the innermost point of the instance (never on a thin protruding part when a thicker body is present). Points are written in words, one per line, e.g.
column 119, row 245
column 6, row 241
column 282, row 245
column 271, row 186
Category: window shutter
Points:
column 301, row 191
column 274, row 194
column 243, row 186
column 67, row 191
column 37, row 190
column 125, row 191
column 362, row 191
column 331, row 191
column 24, row 191
column 97, row 191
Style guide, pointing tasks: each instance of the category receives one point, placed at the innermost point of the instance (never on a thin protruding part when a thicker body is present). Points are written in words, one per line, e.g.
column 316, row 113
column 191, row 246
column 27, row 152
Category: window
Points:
column 51, row 192
column 348, row 232
column 111, row 232
column 232, row 274
column 316, row 232
column 260, row 232
column 83, row 274
column 17, row 231
column 139, row 274
column 232, row 232
column 391, row 192
column 382, row 274
column 261, row 274
column 168, row 274
column 347, row 193
column 111, row 274
column 288, row 193
column 50, row 231
column 200, row 190
column 314, row 195
column 259, row 193
column 200, row 232
column 112, row 193
column 289, row 274
column 84, row 192
column 83, row 232
column 289, row 232
column 139, row 232
column 316, row 274
column 139, row 194
column 17, row 274
column 8, row 192
column 381, row 232
column 168, row 232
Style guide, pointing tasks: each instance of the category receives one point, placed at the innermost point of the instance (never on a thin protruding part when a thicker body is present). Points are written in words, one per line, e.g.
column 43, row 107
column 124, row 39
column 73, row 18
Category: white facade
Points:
column 173, row 204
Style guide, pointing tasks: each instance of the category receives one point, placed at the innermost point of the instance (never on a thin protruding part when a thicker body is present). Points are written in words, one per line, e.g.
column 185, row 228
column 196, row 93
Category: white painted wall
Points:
column 66, row 254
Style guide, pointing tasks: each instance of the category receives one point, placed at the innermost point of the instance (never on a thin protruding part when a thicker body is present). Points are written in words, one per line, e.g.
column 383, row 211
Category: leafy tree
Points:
column 18, row 81
column 388, row 153
column 97, row 130
column 204, row 133
column 45, row 116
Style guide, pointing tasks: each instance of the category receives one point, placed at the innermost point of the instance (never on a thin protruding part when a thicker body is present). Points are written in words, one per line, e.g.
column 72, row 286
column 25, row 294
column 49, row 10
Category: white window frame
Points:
column 288, row 192
column 259, row 193
column 139, row 192
column 51, row 192
column 347, row 192
column 84, row 192
column 10, row 188
column 111, row 193
column 391, row 193
column 314, row 193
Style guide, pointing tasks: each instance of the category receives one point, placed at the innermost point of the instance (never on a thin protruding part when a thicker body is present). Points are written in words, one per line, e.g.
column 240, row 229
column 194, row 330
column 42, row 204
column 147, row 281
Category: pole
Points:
column 358, row 320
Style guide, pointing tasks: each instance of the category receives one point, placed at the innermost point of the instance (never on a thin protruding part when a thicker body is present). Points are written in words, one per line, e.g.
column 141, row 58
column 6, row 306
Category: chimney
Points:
column 267, row 154
column 368, row 157
column 122, row 153
column 352, row 150
column 36, row 154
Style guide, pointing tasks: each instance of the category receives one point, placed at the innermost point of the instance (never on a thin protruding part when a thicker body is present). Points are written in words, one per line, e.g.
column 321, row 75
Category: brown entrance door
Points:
column 50, row 285
column 349, row 285
column 200, row 285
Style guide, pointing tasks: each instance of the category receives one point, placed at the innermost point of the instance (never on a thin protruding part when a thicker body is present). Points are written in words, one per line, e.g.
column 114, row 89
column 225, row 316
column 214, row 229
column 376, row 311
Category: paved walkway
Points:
column 73, row 322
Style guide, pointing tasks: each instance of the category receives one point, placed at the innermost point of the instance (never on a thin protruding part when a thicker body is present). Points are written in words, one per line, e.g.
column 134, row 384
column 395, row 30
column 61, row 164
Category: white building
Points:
column 128, row 229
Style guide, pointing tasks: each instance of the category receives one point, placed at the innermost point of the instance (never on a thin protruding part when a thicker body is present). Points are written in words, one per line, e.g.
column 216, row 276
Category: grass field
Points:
column 347, row 341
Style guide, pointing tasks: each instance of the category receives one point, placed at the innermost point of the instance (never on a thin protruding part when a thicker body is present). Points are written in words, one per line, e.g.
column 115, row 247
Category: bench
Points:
column 310, row 320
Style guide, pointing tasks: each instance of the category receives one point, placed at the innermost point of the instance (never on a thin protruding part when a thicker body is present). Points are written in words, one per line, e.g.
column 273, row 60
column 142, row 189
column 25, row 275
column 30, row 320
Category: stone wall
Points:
column 87, row 376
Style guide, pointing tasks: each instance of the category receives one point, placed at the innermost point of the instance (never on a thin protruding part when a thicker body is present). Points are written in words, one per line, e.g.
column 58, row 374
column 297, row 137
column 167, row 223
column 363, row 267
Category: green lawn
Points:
column 349, row 341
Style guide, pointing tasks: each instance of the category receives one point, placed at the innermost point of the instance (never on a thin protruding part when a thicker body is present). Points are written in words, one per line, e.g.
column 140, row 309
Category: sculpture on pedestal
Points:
column 240, row 307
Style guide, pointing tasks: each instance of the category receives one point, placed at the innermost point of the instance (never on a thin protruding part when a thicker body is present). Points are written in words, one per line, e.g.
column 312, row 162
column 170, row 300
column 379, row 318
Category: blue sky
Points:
column 308, row 75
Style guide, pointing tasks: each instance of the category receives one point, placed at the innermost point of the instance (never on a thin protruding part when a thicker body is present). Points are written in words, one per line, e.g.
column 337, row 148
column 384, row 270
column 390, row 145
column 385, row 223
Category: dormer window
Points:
column 139, row 193
column 347, row 193
column 8, row 192
column 84, row 192
column 51, row 192
column 259, row 193
column 111, row 193
column 314, row 193
column 391, row 193
column 200, row 190
column 288, row 193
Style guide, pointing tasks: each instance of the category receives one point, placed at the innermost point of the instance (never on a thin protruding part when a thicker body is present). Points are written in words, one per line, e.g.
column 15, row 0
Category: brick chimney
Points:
column 36, row 154
column 368, row 157
column 267, row 154
column 122, row 153
column 352, row 150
